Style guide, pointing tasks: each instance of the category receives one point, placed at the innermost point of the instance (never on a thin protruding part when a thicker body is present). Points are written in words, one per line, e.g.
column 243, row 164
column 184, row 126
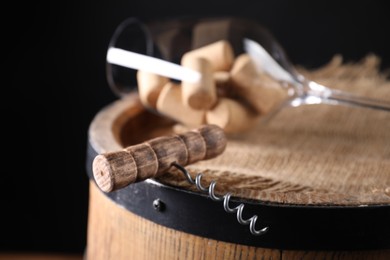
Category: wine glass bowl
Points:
column 243, row 75
column 169, row 39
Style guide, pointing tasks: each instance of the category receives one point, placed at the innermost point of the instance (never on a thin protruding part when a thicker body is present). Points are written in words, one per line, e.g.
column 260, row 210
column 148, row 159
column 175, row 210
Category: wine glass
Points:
column 304, row 91
column 159, row 47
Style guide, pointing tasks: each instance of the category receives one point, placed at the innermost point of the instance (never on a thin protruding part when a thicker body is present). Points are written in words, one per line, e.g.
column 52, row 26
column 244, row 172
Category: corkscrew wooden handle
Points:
column 115, row 170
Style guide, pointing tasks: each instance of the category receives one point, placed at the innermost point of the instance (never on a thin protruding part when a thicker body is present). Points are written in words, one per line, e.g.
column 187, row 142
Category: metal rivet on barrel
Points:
column 158, row 205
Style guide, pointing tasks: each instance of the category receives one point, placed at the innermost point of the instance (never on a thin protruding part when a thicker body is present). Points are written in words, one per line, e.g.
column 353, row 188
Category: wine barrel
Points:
column 317, row 178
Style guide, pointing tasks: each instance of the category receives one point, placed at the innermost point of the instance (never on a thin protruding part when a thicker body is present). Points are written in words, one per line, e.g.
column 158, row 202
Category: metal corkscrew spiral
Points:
column 226, row 200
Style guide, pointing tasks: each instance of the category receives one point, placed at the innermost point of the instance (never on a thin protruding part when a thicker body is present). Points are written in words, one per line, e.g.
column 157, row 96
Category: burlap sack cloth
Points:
column 314, row 154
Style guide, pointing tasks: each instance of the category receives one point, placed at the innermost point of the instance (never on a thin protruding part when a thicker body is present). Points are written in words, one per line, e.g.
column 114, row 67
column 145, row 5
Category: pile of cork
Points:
column 232, row 92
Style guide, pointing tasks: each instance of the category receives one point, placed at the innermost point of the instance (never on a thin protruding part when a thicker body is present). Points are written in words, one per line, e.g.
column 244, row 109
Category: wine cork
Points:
column 116, row 170
column 199, row 95
column 257, row 88
column 231, row 116
column 221, row 78
column 170, row 103
column 220, row 55
column 222, row 83
column 149, row 87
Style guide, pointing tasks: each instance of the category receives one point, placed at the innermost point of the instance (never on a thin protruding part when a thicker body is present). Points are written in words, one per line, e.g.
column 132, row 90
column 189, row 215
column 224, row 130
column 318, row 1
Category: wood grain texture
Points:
column 153, row 158
column 115, row 233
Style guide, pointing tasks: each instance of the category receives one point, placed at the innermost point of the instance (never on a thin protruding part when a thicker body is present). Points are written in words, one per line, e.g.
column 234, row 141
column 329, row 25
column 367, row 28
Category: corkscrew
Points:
column 226, row 201
column 153, row 158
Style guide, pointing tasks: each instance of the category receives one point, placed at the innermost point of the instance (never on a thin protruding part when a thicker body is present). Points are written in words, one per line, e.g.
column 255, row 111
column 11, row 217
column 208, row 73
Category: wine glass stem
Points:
column 353, row 100
column 338, row 97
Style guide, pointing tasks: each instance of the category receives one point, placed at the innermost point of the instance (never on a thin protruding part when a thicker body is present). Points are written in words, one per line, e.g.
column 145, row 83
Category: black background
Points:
column 54, row 60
